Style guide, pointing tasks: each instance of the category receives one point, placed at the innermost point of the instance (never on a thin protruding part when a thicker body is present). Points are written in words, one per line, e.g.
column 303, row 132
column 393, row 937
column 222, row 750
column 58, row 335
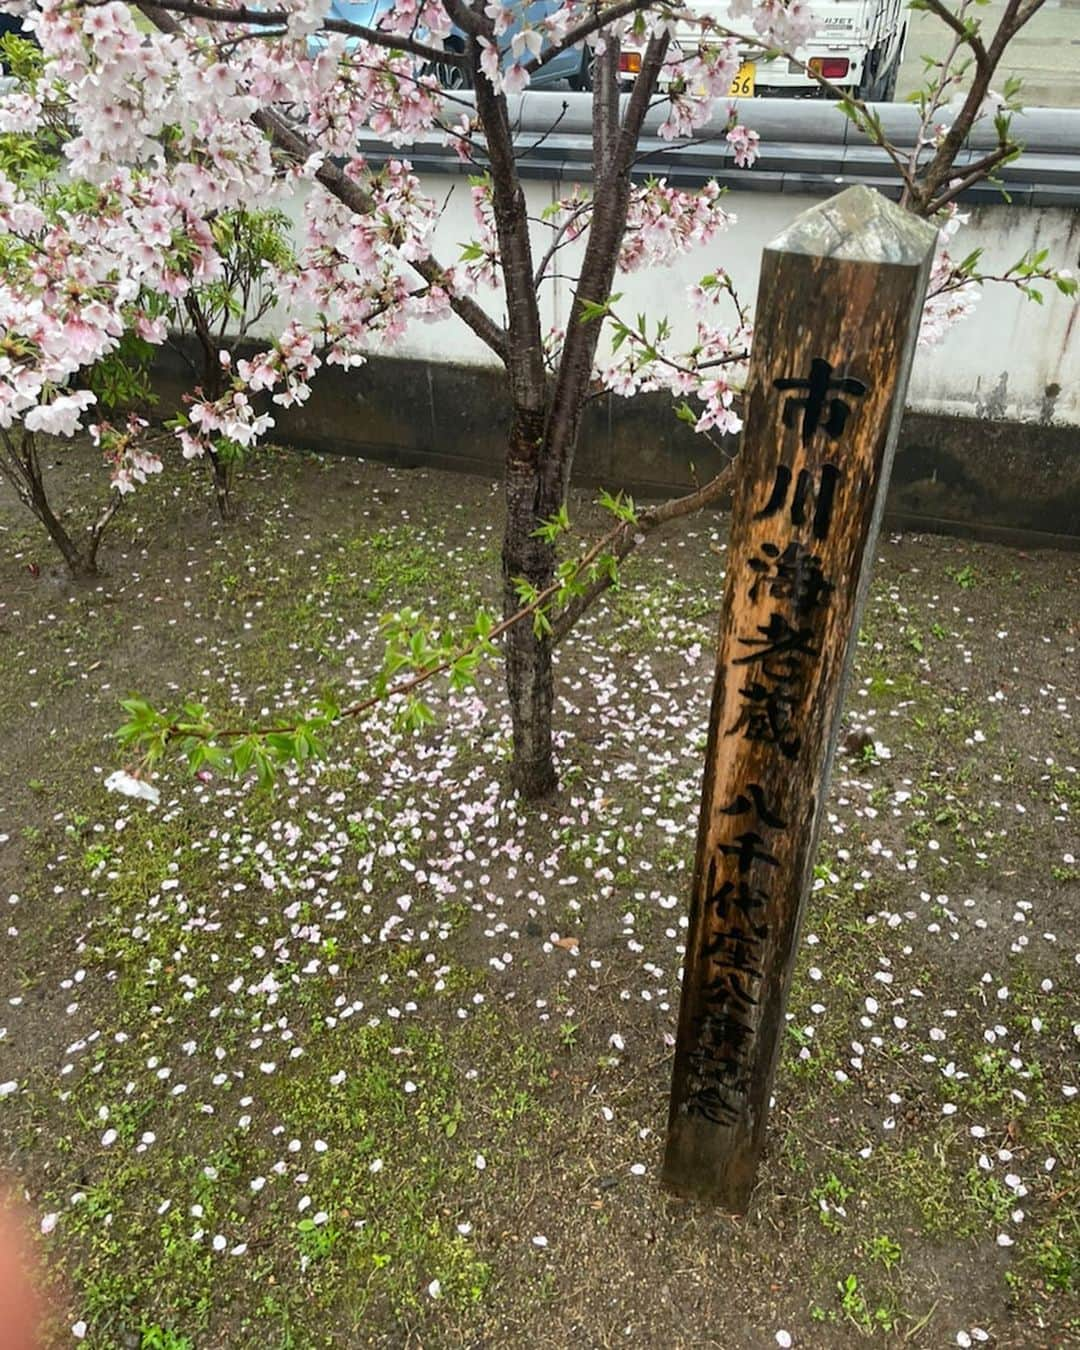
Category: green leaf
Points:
column 243, row 755
column 566, row 569
column 329, row 710
column 620, row 506
column 526, row 591
column 594, row 309
column 416, row 716
column 264, row 768
column 555, row 525
column 138, row 707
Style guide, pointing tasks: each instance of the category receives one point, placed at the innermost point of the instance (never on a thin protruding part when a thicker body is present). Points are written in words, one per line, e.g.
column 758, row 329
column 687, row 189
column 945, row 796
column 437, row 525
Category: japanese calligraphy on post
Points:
column 838, row 308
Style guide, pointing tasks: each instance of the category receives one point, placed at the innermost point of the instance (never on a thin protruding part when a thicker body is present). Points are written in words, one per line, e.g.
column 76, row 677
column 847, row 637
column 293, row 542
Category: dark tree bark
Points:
column 532, row 492
column 547, row 415
column 213, row 387
column 530, row 679
column 78, row 563
column 222, row 473
column 21, row 466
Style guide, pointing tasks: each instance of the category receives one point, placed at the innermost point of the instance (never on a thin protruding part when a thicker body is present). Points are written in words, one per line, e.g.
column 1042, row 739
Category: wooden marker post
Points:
column 838, row 312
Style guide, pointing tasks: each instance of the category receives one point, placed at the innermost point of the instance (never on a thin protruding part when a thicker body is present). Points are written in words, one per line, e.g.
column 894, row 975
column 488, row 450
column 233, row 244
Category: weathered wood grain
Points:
column 839, row 302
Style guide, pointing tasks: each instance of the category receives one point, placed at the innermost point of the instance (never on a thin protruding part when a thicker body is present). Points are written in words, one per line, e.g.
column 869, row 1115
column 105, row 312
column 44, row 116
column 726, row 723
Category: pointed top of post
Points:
column 858, row 225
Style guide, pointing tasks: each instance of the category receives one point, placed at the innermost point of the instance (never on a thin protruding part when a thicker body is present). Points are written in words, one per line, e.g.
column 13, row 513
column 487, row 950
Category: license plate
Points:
column 742, row 86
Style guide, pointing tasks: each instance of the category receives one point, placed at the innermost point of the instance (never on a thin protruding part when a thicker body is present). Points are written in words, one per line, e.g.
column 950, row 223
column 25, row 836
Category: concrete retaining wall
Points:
column 1014, row 359
column 991, row 442
column 1014, row 482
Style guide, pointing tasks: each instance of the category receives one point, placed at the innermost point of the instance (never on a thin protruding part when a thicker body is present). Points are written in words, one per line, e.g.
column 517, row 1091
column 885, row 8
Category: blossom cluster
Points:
column 710, row 370
column 76, row 277
column 664, row 222
column 164, row 131
column 949, row 298
column 157, row 138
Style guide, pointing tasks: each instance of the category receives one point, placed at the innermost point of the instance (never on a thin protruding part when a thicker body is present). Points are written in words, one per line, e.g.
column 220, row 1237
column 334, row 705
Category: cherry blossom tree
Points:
column 216, row 317
column 91, row 282
column 195, row 109
column 55, row 327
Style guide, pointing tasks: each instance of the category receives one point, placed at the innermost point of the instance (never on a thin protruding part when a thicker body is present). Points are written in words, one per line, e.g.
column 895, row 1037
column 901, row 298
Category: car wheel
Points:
column 583, row 80
column 453, row 77
column 450, row 76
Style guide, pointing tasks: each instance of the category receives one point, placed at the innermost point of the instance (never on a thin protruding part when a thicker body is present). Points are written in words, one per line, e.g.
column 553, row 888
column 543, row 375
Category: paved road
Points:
column 1046, row 54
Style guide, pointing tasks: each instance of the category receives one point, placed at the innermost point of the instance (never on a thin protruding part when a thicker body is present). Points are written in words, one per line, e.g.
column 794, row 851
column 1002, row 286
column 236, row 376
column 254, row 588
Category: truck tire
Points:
column 879, row 86
column 887, row 86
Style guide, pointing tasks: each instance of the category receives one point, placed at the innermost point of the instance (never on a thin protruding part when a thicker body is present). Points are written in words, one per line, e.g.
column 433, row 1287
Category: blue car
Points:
column 573, row 66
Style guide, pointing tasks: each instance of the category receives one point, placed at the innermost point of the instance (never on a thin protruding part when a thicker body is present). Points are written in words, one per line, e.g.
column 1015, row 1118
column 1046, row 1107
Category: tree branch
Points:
column 97, row 530
column 938, row 171
column 558, row 239
column 605, row 112
column 970, row 39
column 525, row 357
column 529, row 149
column 352, row 195
column 467, row 19
column 180, row 731
column 630, row 535
column 278, row 18
column 611, row 196
column 600, row 19
column 973, row 173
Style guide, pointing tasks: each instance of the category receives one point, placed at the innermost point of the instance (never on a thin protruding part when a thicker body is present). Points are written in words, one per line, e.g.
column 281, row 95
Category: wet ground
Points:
column 382, row 1059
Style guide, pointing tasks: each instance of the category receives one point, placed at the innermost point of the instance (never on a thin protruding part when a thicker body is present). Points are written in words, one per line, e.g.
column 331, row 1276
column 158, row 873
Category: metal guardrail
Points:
column 807, row 147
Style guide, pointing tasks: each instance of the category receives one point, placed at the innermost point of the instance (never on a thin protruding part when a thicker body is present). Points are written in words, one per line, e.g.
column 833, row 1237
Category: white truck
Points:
column 858, row 48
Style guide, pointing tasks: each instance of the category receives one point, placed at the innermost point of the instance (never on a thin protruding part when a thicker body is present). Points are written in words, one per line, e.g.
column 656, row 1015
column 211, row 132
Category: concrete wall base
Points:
column 1008, row 481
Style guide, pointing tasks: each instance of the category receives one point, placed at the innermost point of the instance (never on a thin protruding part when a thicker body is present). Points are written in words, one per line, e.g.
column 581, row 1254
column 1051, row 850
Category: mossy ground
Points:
column 383, row 1058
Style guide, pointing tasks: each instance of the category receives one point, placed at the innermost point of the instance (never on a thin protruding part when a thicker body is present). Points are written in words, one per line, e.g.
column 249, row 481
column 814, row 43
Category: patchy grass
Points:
column 383, row 1059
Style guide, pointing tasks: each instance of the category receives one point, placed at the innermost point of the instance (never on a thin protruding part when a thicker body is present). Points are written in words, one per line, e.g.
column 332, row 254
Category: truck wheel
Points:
column 887, row 87
column 878, row 87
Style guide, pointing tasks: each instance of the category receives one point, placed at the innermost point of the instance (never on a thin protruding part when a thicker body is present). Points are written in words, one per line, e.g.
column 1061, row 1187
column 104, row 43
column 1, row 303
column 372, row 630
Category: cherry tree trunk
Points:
column 32, row 490
column 78, row 563
column 222, row 486
column 531, row 498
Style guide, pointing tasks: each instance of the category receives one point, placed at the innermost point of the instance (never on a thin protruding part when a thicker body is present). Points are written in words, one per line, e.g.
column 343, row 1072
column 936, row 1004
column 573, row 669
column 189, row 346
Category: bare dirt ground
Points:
column 382, row 1059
